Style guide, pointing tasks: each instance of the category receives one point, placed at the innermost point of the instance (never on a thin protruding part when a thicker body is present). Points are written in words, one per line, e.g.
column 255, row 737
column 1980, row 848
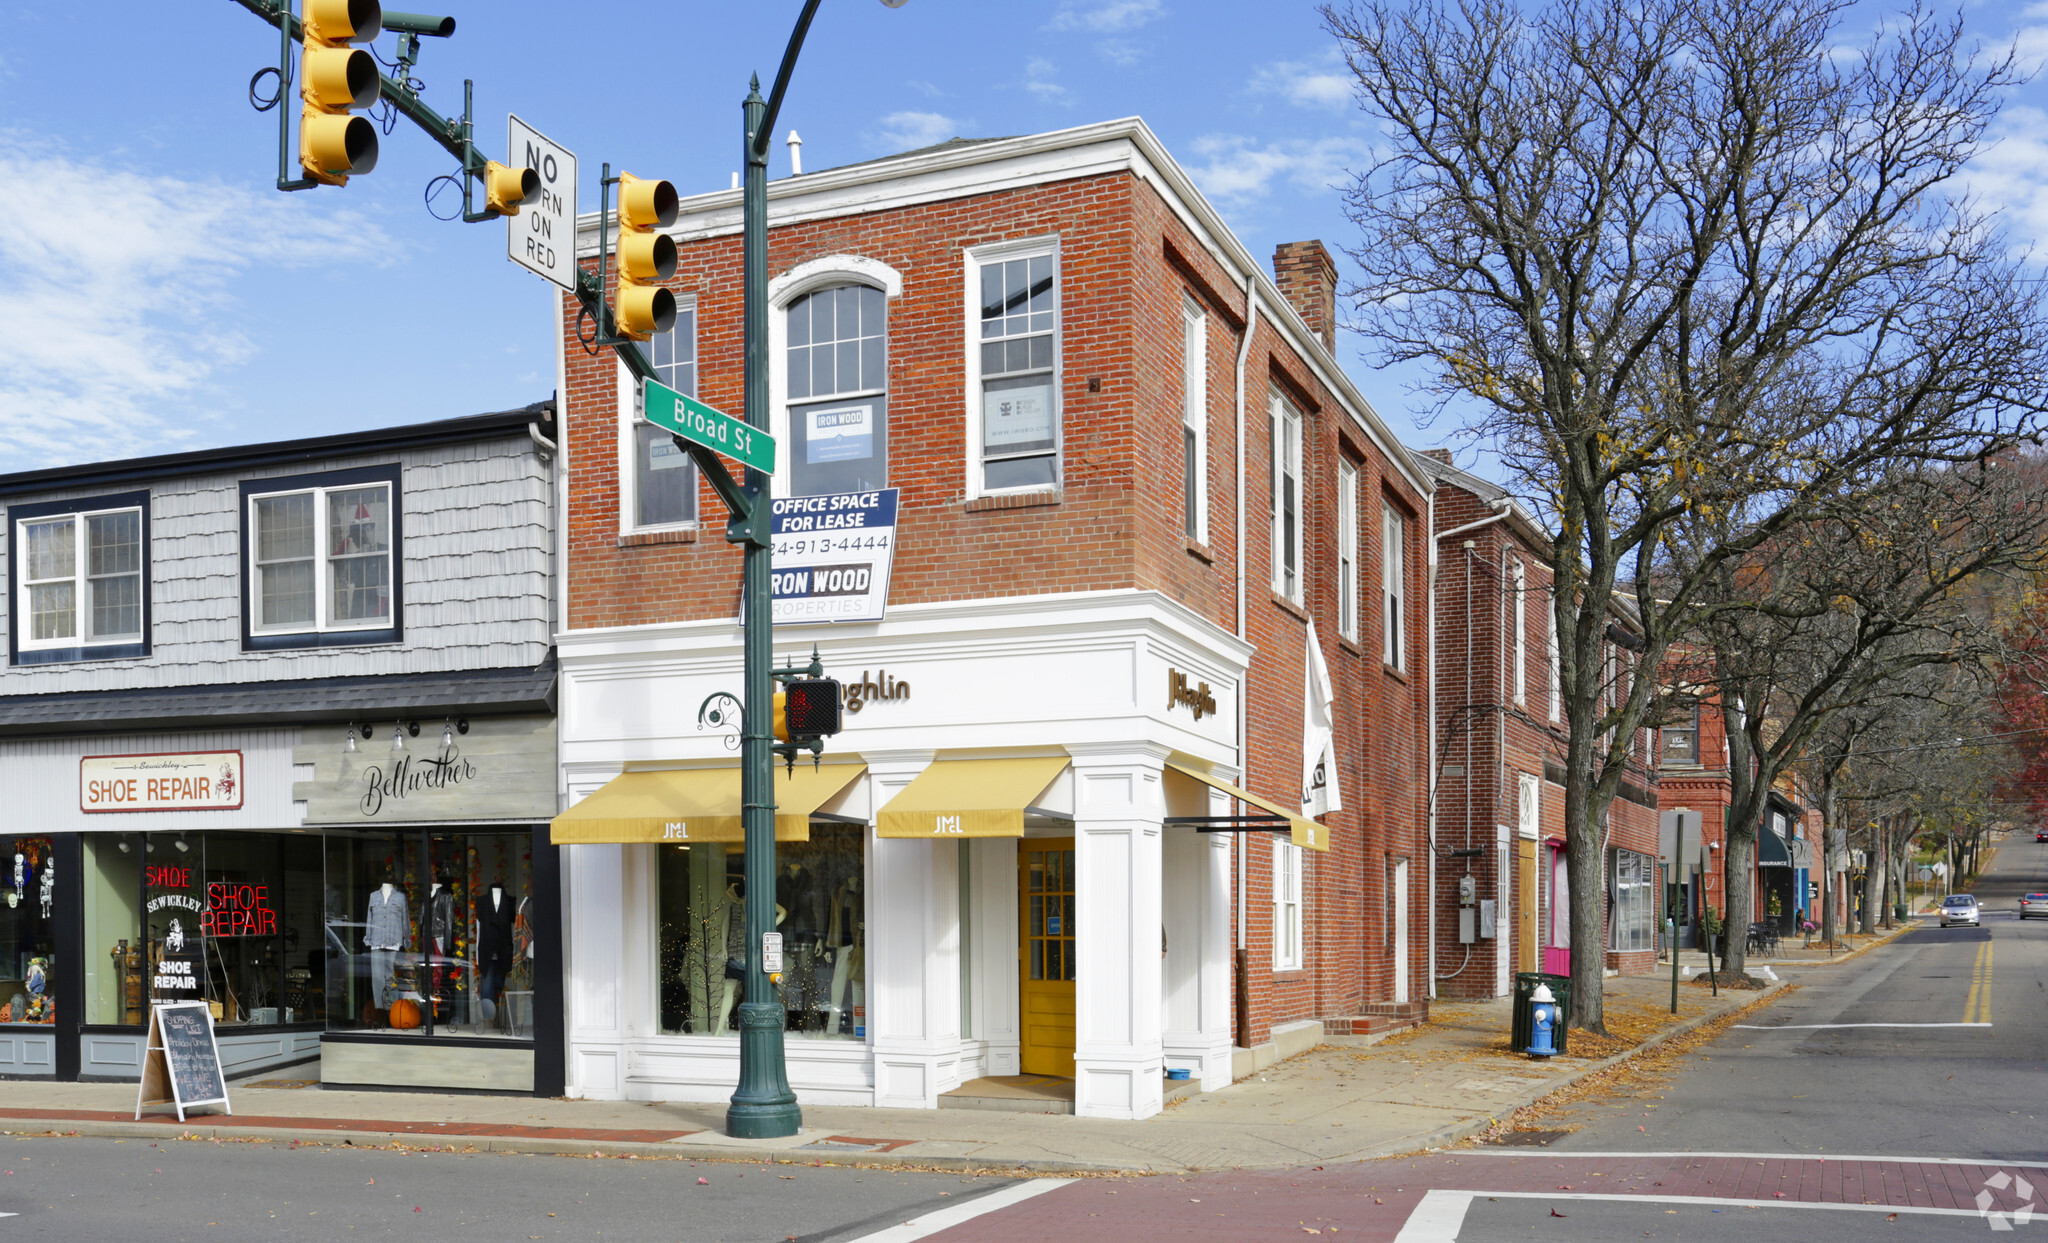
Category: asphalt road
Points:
column 1904, row 1090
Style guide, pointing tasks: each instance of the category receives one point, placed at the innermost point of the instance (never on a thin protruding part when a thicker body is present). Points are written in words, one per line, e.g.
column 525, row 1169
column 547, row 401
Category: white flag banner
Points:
column 1319, row 793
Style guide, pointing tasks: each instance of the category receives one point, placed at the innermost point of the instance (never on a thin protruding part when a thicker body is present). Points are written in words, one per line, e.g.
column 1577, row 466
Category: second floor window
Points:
column 664, row 479
column 838, row 372
column 1347, row 550
column 79, row 579
column 1393, row 587
column 1518, row 601
column 1286, row 486
column 1682, row 740
column 1194, row 420
column 321, row 559
column 1016, row 350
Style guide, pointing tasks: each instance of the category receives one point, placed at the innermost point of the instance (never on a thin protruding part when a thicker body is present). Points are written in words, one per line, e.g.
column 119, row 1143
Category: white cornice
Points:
column 1123, row 145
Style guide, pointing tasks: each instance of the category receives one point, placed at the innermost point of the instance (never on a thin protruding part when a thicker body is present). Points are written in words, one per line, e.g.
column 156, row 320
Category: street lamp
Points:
column 763, row 1107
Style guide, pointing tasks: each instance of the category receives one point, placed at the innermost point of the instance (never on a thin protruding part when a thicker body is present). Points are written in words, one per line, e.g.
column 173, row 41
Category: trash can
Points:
column 1899, row 911
column 1525, row 988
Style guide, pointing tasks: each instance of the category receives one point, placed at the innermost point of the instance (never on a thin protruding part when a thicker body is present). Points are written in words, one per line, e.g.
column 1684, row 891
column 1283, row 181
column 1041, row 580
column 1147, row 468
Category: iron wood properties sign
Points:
column 832, row 556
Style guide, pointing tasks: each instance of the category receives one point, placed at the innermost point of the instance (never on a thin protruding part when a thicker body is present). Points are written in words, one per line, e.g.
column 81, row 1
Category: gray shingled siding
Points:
column 477, row 551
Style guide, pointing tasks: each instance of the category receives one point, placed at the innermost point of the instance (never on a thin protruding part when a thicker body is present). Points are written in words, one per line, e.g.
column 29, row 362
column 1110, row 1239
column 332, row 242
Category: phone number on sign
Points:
column 829, row 544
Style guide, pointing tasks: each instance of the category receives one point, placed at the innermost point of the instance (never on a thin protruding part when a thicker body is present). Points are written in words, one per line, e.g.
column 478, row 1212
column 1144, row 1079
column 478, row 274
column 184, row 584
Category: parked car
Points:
column 2041, row 835
column 2032, row 904
column 1959, row 908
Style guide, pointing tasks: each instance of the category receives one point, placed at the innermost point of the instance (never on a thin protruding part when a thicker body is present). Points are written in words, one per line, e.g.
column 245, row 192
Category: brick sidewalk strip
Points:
column 382, row 1126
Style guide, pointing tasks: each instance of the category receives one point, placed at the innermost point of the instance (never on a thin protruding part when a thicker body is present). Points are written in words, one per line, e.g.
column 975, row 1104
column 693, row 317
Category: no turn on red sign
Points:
column 542, row 237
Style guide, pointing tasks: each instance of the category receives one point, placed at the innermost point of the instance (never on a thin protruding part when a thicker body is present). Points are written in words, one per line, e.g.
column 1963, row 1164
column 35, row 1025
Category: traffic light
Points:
column 646, row 257
column 333, row 143
column 506, row 190
column 807, row 708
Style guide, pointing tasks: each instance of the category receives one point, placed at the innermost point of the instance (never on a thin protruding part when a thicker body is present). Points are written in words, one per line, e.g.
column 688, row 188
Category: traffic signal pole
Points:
column 763, row 1107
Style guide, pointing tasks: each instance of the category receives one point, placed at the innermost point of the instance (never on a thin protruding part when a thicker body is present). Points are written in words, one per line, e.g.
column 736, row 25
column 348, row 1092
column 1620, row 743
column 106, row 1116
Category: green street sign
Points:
column 714, row 429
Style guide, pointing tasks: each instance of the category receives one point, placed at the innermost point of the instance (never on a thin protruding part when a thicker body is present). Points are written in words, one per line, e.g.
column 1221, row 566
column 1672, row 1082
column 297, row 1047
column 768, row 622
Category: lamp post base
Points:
column 763, row 1107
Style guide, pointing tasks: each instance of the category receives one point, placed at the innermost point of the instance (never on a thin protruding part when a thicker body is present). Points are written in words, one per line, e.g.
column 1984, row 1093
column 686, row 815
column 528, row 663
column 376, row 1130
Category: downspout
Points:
column 1435, row 564
column 1244, row 699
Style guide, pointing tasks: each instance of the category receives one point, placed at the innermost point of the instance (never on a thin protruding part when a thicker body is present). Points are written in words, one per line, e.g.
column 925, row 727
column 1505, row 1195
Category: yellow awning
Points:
column 969, row 798
column 1301, row 830
column 696, row 805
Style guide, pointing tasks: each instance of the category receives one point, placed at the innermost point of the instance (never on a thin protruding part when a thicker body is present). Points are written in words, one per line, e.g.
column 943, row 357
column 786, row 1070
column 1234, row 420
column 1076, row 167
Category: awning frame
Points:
column 1300, row 830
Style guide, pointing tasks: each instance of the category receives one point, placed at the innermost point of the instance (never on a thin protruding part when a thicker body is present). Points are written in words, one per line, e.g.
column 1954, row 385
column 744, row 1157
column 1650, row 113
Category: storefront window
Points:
column 429, row 934
column 224, row 918
column 28, row 934
column 820, row 910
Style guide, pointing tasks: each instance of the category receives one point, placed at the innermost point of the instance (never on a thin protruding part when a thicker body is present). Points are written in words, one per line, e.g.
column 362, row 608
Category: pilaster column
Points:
column 913, row 952
column 1119, row 801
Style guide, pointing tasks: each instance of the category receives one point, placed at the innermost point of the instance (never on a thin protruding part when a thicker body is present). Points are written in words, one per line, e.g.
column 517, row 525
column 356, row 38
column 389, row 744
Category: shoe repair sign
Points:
column 832, row 556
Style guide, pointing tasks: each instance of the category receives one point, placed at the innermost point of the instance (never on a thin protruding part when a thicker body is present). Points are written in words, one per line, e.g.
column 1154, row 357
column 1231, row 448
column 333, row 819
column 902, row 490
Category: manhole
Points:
column 1527, row 1139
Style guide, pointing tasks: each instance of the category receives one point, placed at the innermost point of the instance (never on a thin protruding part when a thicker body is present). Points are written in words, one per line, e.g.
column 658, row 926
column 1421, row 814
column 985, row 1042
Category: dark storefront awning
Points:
column 1771, row 851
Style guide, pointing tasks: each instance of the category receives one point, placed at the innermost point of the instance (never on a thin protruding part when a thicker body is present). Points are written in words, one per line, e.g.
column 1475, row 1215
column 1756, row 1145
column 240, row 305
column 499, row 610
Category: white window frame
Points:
column 81, row 603
column 1393, row 586
column 323, row 563
column 1633, row 926
column 805, row 278
column 631, row 417
column 1347, row 550
column 1556, row 662
column 1282, row 419
column 1518, row 596
column 972, row 259
column 1194, row 418
column 1286, row 906
column 1529, row 806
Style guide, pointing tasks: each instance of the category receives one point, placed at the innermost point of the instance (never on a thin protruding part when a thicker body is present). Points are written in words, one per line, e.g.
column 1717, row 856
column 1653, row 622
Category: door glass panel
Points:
column 1038, row 960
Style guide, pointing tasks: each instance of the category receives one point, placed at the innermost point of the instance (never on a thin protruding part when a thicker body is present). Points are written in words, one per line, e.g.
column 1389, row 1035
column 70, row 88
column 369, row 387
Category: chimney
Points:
column 1307, row 277
column 1439, row 455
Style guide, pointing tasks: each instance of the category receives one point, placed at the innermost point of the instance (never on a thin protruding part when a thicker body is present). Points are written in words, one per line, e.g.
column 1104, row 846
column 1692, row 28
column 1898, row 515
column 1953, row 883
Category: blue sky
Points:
column 157, row 294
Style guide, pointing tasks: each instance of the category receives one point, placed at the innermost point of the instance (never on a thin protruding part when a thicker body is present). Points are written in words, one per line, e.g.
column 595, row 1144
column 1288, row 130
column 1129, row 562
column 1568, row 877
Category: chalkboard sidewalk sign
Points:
column 182, row 1066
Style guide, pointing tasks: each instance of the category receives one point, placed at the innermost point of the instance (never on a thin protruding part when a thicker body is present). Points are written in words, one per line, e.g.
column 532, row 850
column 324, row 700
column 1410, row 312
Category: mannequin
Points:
column 388, row 930
column 736, row 946
column 844, row 936
column 797, row 890
column 494, row 917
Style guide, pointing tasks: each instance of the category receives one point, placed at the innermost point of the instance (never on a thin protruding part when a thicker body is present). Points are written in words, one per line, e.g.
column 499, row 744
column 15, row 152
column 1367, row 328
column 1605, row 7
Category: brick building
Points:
column 1152, row 551
column 1501, row 894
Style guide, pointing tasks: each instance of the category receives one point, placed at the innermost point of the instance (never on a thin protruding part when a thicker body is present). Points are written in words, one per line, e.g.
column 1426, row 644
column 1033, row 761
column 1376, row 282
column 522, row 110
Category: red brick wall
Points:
column 1126, row 264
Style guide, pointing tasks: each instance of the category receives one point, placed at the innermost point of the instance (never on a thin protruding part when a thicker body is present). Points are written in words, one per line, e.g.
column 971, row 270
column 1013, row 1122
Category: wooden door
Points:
column 1525, row 861
column 1045, row 879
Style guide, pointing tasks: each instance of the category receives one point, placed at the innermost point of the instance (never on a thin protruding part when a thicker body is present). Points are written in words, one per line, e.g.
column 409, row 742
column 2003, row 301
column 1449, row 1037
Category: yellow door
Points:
column 1525, row 860
column 1045, row 878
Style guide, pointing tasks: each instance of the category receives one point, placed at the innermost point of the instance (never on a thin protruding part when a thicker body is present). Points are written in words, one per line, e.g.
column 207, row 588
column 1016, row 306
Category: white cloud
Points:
column 907, row 131
column 928, row 89
column 1325, row 84
column 1239, row 172
column 1038, row 79
column 2010, row 179
column 117, row 300
column 1106, row 16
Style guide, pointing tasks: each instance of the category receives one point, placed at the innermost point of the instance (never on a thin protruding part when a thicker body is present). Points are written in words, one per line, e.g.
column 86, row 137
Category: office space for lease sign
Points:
column 832, row 556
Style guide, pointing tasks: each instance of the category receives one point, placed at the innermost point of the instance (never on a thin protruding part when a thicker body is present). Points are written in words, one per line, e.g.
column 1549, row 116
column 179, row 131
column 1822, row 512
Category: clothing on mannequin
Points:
column 387, row 931
column 495, row 916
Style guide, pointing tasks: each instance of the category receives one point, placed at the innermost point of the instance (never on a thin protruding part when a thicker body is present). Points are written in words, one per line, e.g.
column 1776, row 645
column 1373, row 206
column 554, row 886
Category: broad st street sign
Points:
column 714, row 429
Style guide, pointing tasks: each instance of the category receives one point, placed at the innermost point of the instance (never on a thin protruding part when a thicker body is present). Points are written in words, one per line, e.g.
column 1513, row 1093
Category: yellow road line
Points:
column 1977, row 1006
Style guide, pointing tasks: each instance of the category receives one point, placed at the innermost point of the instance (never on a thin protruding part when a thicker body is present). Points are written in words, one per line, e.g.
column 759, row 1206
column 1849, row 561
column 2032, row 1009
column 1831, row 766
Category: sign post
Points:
column 182, row 1065
column 542, row 237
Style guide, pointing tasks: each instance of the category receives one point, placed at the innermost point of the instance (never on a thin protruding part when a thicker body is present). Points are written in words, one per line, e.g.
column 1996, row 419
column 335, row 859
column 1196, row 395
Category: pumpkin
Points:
column 405, row 1013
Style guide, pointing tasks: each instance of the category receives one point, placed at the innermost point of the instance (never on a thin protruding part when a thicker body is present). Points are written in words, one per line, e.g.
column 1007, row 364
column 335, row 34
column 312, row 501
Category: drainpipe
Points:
column 1244, row 698
column 1435, row 564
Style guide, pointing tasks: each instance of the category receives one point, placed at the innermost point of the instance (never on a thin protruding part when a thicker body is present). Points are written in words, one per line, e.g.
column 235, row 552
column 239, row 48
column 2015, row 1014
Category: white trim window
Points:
column 1289, row 571
column 1286, row 906
column 836, row 381
column 1556, row 662
column 1013, row 368
column 321, row 559
column 1528, row 806
column 1194, row 421
column 1347, row 550
column 659, row 481
column 1393, row 586
column 75, row 589
column 1518, row 600
column 1632, row 889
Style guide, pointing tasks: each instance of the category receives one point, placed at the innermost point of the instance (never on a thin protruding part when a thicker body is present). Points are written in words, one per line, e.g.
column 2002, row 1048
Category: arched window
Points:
column 838, row 379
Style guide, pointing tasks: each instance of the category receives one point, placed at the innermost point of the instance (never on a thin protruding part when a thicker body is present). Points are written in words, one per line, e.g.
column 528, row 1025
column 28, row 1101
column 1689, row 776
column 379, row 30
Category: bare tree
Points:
column 1670, row 259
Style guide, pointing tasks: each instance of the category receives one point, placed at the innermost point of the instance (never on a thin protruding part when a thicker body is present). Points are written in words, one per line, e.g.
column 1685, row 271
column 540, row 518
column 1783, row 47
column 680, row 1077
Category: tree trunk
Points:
column 1827, row 840
column 1736, row 875
column 1584, row 868
column 1873, row 882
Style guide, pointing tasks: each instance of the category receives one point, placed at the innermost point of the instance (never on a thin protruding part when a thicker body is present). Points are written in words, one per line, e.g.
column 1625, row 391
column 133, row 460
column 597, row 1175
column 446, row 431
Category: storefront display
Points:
column 28, row 932
column 428, row 933
column 819, row 909
column 224, row 917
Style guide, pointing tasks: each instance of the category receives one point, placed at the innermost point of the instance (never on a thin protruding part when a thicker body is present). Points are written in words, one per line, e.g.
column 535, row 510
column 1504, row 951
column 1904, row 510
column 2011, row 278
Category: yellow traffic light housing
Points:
column 506, row 190
column 336, row 76
column 646, row 257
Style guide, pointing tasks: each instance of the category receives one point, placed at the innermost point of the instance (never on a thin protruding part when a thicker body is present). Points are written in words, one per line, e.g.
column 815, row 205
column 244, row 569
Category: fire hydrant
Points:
column 1543, row 1021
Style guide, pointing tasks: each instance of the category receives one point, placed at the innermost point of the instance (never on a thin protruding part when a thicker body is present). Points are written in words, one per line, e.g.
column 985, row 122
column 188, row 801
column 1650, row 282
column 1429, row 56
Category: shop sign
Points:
column 1198, row 699
column 237, row 910
column 832, row 556
column 173, row 781
column 872, row 688
column 503, row 768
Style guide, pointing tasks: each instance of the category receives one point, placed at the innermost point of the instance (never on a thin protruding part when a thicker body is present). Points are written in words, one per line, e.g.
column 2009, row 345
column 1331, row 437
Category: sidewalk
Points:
column 1793, row 952
column 1344, row 1101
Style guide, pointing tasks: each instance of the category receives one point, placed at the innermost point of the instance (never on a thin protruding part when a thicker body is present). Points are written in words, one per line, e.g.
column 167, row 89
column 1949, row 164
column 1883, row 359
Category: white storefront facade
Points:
column 917, row 964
